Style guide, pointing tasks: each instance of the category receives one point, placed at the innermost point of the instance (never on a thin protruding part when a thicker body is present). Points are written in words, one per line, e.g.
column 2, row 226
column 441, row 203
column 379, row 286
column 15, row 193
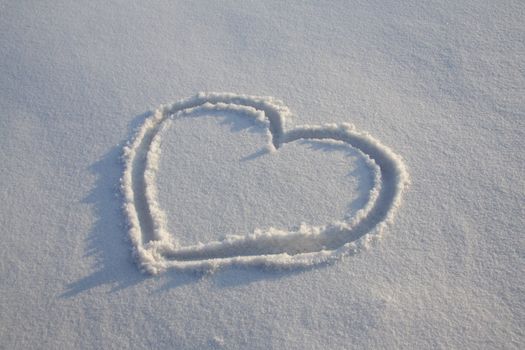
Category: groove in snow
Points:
column 154, row 247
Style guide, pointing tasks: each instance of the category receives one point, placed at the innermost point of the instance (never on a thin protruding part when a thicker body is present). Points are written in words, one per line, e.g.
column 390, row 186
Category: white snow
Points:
column 438, row 84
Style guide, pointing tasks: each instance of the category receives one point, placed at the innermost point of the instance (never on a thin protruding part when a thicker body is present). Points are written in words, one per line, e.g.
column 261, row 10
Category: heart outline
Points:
column 306, row 246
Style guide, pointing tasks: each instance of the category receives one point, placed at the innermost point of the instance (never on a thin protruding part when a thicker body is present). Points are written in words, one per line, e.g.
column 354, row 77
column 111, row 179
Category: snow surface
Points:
column 441, row 83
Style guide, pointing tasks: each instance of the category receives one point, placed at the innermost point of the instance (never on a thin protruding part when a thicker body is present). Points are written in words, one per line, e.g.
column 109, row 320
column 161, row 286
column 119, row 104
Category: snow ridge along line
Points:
column 156, row 250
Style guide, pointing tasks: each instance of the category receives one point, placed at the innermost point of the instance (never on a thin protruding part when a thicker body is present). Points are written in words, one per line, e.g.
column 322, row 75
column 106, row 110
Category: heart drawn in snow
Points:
column 156, row 250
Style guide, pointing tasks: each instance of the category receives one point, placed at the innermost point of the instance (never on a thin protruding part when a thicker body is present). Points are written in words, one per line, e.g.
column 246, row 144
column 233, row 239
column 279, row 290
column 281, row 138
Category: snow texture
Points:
column 440, row 82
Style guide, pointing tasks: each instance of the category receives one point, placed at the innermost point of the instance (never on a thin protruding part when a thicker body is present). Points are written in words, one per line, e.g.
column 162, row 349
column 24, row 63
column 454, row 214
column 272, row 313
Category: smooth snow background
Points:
column 442, row 83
